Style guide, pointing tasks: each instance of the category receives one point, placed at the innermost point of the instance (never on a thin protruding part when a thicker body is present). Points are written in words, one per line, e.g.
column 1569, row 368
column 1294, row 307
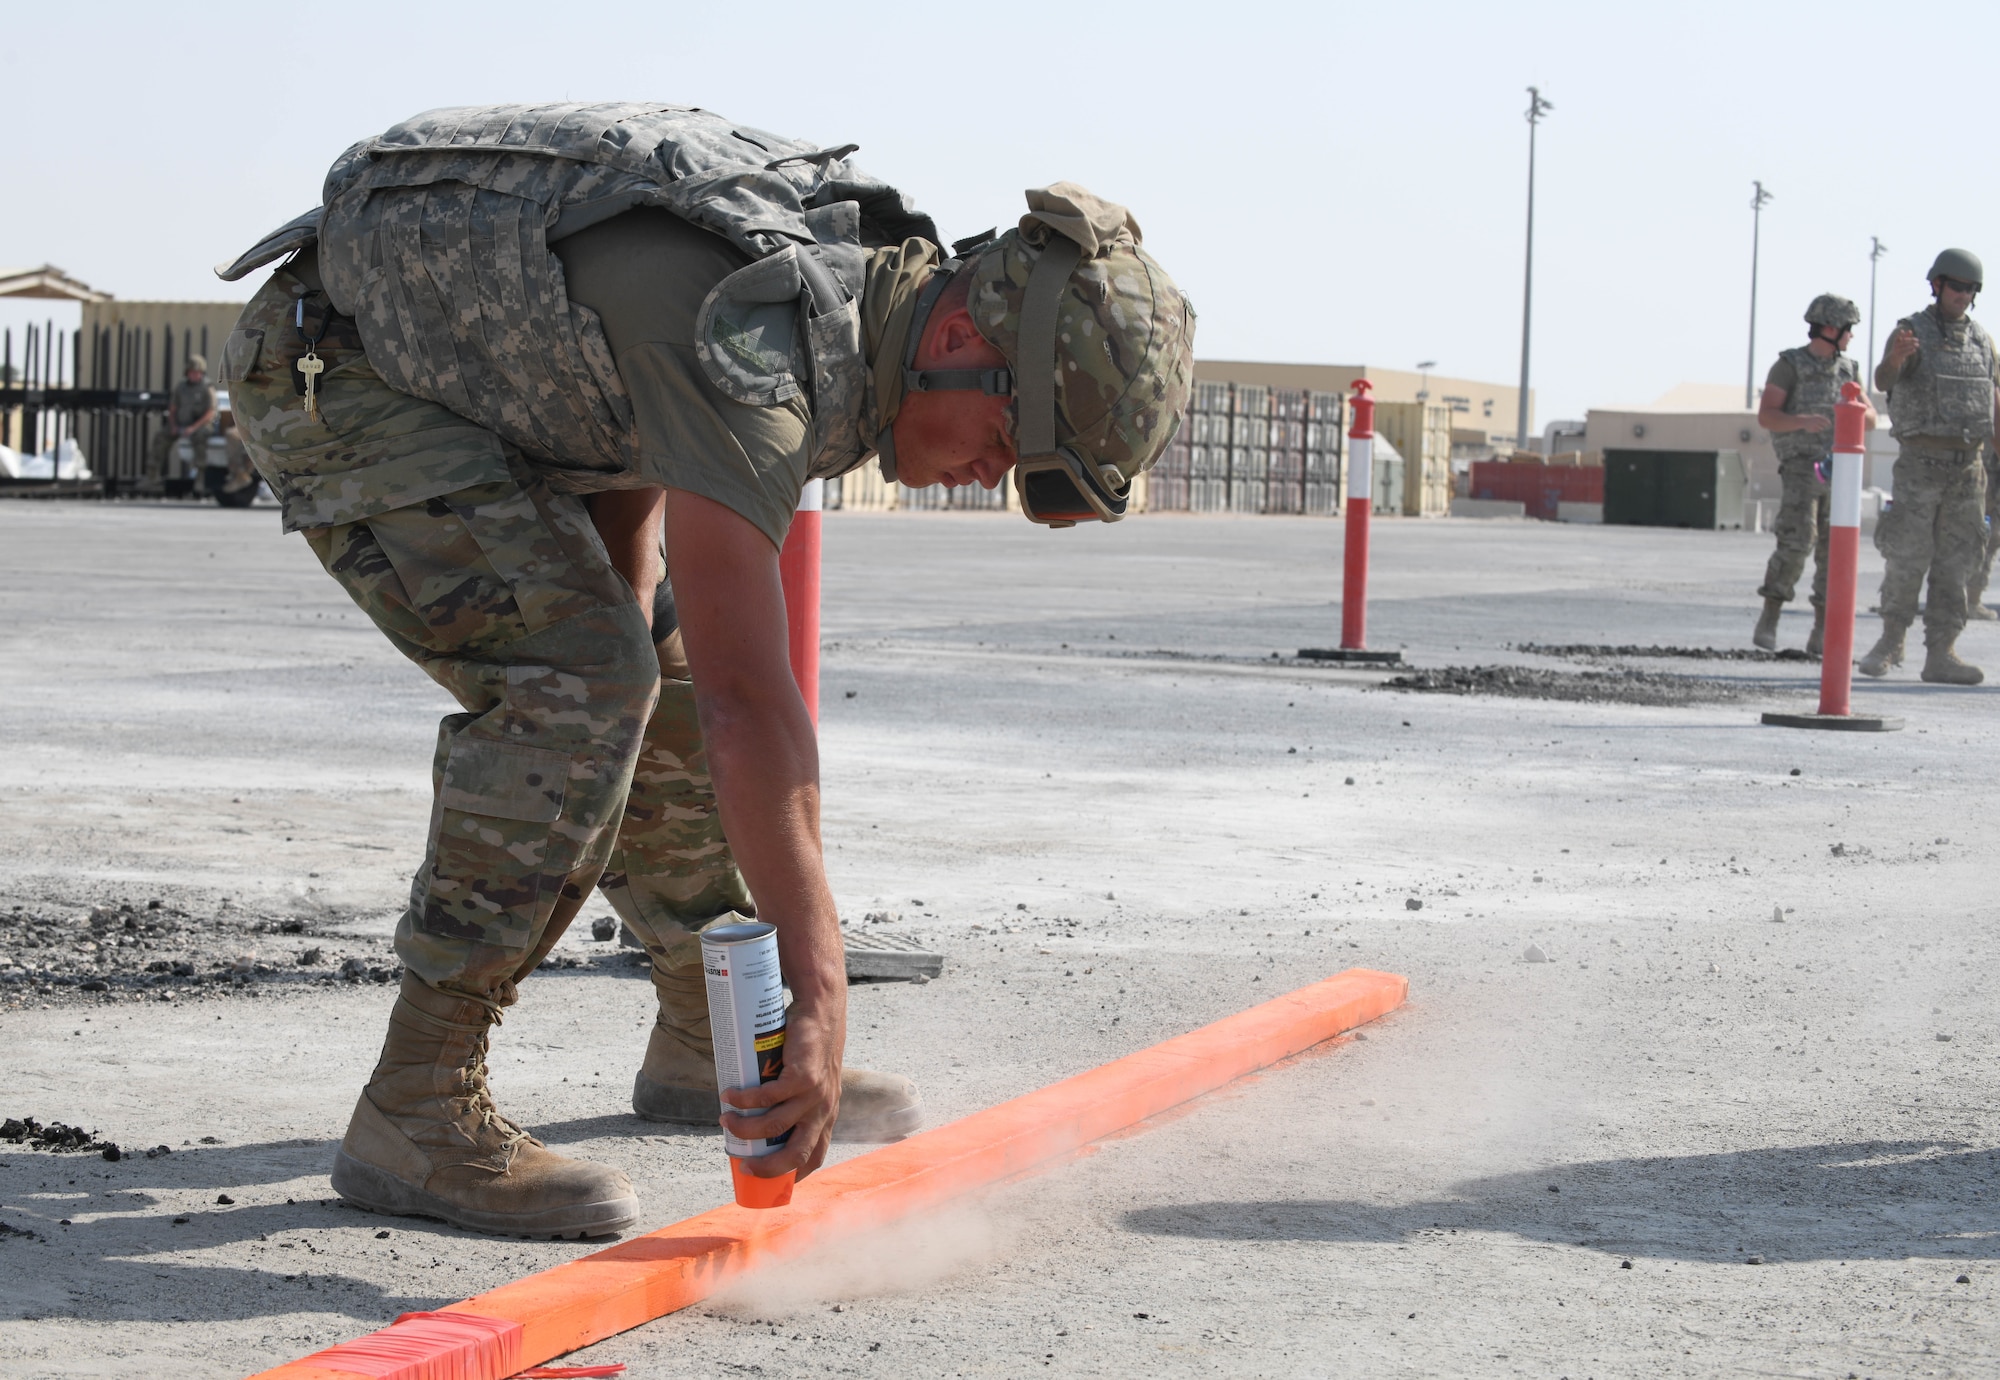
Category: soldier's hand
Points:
column 803, row 1099
column 1902, row 345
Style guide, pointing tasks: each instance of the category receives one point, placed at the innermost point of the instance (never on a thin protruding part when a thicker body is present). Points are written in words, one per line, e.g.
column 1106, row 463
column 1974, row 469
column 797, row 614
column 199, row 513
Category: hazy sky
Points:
column 1328, row 182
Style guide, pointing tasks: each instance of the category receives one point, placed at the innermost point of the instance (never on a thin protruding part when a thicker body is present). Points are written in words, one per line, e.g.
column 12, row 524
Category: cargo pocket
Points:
column 505, row 780
column 494, row 874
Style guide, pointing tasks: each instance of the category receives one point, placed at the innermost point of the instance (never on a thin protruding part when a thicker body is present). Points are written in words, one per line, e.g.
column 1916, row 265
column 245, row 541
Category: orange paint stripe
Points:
column 636, row 1281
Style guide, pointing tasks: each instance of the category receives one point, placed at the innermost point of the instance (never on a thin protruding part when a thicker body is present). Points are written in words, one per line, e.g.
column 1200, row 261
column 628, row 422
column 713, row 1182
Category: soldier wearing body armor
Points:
column 521, row 364
column 1942, row 375
column 190, row 416
column 1797, row 409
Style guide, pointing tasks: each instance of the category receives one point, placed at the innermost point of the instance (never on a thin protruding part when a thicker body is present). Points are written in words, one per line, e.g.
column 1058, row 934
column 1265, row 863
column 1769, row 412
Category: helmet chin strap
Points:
column 992, row 382
column 1032, row 385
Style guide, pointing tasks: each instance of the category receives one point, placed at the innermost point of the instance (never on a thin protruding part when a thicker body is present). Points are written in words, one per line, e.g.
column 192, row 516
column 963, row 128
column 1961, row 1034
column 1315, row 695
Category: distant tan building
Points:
column 146, row 344
column 1485, row 408
column 1711, row 416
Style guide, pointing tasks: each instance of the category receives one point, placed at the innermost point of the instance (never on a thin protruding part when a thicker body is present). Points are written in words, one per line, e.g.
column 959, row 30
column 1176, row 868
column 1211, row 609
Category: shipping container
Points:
column 1421, row 433
column 1540, row 489
column 1674, row 488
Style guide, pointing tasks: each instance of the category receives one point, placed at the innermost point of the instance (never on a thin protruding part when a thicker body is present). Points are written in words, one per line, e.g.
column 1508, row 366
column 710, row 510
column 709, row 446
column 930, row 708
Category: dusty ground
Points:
column 1072, row 762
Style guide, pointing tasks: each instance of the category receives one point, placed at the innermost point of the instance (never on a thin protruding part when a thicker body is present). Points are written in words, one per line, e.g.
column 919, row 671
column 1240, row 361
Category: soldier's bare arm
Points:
column 628, row 523
column 764, row 758
column 1902, row 345
column 1771, row 414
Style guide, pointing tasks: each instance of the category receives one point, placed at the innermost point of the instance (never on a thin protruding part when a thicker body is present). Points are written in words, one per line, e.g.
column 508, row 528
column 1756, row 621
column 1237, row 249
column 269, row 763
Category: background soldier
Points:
column 1797, row 409
column 1982, row 572
column 1942, row 377
column 190, row 414
column 520, row 355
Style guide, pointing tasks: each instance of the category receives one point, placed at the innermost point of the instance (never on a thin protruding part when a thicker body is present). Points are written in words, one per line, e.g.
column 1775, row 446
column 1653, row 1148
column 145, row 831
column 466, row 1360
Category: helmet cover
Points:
column 1124, row 331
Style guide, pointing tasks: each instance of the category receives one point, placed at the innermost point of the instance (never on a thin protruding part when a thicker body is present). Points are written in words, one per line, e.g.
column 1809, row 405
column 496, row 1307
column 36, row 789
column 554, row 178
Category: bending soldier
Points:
column 1941, row 373
column 1797, row 409
column 558, row 352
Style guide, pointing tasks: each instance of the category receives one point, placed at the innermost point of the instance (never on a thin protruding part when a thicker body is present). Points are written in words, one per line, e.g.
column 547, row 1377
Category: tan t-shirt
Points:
column 645, row 273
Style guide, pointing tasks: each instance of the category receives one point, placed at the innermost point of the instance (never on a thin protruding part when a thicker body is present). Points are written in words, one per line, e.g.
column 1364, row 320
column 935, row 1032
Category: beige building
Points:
column 1711, row 416
column 1474, row 407
column 153, row 339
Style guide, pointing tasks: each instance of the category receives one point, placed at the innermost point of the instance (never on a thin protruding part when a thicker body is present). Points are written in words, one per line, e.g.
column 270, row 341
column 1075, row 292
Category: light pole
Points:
column 1424, row 367
column 1537, row 107
column 1876, row 249
column 1758, row 201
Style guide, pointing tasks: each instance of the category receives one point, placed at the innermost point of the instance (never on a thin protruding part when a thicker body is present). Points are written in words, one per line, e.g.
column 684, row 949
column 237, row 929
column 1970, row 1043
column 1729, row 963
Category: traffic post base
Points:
column 1842, row 723
column 1351, row 656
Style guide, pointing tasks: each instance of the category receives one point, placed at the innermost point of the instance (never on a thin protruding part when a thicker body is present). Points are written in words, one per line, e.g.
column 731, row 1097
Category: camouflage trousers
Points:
column 573, row 762
column 163, row 456
column 1935, row 529
column 1800, row 528
column 1975, row 589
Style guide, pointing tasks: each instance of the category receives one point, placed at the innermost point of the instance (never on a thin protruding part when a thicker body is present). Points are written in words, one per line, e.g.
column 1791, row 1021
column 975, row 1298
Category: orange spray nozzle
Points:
column 754, row 1191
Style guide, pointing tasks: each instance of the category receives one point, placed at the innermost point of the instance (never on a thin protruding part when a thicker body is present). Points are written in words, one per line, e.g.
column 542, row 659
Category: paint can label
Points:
column 746, row 1010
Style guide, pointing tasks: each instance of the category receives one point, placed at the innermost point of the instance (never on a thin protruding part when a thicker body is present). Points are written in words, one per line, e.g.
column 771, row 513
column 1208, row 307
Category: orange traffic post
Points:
column 1360, row 511
column 497, row 1334
column 1843, row 578
column 798, row 571
column 1354, row 564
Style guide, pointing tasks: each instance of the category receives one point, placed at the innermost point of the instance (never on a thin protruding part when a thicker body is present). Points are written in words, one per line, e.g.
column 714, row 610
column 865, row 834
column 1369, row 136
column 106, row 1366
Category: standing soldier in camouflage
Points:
column 524, row 362
column 1982, row 573
column 190, row 414
column 1797, row 409
column 1942, row 376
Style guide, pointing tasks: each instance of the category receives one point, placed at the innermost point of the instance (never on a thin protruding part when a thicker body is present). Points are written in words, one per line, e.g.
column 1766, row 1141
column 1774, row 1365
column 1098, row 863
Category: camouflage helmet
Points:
column 1113, row 393
column 196, row 364
column 1829, row 309
column 1961, row 264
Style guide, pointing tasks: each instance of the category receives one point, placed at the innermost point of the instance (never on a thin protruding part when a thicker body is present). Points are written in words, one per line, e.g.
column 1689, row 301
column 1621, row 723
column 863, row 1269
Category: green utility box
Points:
column 1675, row 488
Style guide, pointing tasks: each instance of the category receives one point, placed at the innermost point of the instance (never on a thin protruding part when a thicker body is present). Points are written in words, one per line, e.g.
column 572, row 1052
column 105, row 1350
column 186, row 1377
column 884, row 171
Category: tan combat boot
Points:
column 1887, row 651
column 677, row 1081
column 426, row 1139
column 1942, row 666
column 1975, row 599
column 1816, row 639
column 1765, row 634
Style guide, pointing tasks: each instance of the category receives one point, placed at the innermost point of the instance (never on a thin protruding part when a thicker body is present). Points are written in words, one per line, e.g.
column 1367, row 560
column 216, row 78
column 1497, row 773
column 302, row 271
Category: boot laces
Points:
column 475, row 1097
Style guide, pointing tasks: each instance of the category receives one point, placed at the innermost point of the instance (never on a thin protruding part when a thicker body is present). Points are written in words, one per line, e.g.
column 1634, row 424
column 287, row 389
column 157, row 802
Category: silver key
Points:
column 312, row 366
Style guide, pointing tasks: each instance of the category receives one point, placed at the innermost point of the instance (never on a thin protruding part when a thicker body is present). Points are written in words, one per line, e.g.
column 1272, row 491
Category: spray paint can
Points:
column 746, row 1015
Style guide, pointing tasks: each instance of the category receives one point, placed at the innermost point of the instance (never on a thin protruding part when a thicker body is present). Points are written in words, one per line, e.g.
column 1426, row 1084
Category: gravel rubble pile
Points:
column 165, row 948
column 1604, row 651
column 1592, row 687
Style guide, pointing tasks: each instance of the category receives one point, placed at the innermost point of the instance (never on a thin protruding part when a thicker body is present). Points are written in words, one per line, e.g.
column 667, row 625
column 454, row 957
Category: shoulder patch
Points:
column 747, row 336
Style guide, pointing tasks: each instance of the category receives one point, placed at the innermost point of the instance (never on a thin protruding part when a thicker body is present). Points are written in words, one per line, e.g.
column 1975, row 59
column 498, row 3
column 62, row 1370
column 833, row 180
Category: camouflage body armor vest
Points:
column 1814, row 394
column 435, row 238
column 1949, row 395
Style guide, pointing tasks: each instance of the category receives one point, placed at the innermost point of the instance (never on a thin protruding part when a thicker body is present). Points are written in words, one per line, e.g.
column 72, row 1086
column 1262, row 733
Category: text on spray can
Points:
column 746, row 1011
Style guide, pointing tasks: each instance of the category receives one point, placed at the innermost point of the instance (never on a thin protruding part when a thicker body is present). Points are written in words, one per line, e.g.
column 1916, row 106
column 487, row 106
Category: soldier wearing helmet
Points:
column 1797, row 409
column 1942, row 375
column 190, row 416
column 559, row 351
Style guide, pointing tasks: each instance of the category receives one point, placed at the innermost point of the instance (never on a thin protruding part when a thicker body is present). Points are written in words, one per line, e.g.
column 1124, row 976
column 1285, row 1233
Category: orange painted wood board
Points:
column 600, row 1295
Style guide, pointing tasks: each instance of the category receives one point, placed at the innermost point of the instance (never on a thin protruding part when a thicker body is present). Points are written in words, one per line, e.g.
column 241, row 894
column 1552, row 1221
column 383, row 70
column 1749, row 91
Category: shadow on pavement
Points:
column 1862, row 1200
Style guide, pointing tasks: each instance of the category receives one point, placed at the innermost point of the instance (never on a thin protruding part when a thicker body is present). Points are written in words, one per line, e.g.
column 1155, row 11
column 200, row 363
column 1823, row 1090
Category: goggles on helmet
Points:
column 1062, row 489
